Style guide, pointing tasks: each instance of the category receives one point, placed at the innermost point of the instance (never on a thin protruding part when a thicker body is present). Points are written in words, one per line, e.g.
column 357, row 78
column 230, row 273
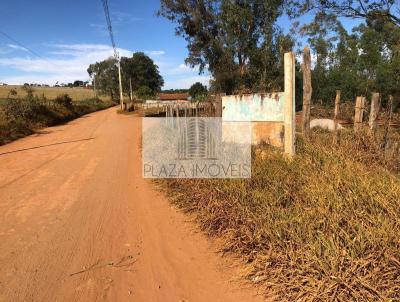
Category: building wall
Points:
column 264, row 111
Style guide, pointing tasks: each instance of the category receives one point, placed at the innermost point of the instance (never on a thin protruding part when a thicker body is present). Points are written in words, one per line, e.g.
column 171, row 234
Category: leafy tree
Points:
column 144, row 93
column 175, row 90
column 198, row 91
column 237, row 41
column 357, row 63
column 374, row 12
column 77, row 83
column 141, row 71
column 105, row 74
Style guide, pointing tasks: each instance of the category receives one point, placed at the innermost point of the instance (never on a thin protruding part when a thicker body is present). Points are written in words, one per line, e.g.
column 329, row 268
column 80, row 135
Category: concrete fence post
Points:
column 289, row 61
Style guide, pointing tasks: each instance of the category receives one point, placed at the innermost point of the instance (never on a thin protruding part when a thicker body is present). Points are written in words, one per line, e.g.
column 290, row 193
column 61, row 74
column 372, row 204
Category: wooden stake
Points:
column 218, row 106
column 289, row 104
column 336, row 115
column 359, row 113
column 388, row 121
column 307, row 92
column 373, row 115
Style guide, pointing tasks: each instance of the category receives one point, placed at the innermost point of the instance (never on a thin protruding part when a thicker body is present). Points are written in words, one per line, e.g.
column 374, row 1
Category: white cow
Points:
column 325, row 123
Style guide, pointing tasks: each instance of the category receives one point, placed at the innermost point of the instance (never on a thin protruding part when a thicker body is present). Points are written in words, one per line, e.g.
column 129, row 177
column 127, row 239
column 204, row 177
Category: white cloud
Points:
column 118, row 17
column 183, row 69
column 68, row 62
column 17, row 47
column 155, row 53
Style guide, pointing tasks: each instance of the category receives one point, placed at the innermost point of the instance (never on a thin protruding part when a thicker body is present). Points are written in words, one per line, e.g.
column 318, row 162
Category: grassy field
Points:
column 75, row 93
column 323, row 227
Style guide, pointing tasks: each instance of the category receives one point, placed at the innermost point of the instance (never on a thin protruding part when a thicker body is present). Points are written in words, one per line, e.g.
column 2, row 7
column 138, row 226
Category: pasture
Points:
column 76, row 93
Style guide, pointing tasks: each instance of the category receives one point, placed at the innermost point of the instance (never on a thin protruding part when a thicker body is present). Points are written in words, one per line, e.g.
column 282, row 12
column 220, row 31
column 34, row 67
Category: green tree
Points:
column 141, row 71
column 198, row 91
column 374, row 12
column 144, row 93
column 357, row 63
column 237, row 41
column 77, row 83
column 105, row 76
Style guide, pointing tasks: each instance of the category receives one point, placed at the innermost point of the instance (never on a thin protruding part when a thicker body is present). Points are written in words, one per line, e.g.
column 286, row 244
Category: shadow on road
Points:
column 43, row 146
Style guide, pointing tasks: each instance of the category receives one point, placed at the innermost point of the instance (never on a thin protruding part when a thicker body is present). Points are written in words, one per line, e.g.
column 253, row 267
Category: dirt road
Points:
column 78, row 223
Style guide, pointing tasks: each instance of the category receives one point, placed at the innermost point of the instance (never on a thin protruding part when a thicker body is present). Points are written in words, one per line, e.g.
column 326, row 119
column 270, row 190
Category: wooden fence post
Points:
column 373, row 115
column 218, row 105
column 336, row 115
column 359, row 113
column 307, row 91
column 290, row 124
column 389, row 113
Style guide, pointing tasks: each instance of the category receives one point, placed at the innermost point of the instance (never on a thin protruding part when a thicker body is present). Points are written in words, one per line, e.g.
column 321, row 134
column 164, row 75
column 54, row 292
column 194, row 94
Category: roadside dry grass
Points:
column 75, row 93
column 323, row 227
column 22, row 116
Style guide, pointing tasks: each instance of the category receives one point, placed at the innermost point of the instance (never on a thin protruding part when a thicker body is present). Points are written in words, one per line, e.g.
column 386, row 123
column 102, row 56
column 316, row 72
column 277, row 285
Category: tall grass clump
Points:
column 322, row 227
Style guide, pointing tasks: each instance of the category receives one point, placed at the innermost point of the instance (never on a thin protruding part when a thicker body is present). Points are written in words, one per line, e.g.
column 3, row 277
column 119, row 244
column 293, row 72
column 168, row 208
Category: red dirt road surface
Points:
column 78, row 223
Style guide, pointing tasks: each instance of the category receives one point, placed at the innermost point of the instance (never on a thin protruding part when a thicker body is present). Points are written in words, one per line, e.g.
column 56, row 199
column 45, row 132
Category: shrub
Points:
column 144, row 92
column 25, row 109
column 13, row 92
column 64, row 100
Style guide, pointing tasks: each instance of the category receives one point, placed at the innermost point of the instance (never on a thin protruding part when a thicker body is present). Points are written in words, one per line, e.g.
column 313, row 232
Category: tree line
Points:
column 241, row 44
column 139, row 75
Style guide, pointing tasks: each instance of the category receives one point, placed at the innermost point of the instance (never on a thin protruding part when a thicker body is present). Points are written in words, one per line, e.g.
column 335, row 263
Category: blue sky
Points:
column 69, row 35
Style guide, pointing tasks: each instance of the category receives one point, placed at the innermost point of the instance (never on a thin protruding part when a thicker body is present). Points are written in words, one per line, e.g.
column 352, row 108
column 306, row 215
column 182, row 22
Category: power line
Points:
column 116, row 55
column 109, row 27
column 21, row 45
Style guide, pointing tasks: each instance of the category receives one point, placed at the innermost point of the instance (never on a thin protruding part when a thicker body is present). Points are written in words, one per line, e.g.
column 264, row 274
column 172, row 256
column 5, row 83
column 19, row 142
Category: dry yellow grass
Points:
column 323, row 227
column 76, row 93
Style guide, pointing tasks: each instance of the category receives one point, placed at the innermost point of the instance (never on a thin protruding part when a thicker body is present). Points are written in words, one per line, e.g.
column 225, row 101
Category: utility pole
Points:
column 121, row 96
column 116, row 54
column 130, row 87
